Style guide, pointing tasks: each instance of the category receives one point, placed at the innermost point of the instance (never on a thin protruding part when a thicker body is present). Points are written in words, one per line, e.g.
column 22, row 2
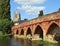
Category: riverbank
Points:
column 5, row 35
column 36, row 39
column 43, row 42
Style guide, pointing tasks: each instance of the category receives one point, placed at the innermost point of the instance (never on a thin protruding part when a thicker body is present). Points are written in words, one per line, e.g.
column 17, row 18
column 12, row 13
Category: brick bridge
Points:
column 44, row 27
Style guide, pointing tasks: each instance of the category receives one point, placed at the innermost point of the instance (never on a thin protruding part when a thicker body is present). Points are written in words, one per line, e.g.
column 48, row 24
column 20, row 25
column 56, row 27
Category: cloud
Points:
column 29, row 1
column 31, row 9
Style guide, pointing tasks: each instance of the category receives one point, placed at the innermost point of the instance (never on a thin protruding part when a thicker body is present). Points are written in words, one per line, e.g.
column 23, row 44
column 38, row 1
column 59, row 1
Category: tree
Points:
column 41, row 13
column 59, row 9
column 25, row 19
column 5, row 26
column 5, row 9
column 5, row 21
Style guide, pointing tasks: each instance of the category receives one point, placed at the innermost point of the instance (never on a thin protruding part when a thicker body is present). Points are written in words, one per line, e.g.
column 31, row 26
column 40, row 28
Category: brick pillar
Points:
column 33, row 30
column 25, row 33
column 44, row 34
column 32, row 34
column 19, row 31
column 14, row 32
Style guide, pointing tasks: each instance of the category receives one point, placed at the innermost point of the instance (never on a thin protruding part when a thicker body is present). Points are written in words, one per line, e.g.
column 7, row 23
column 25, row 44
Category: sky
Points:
column 29, row 9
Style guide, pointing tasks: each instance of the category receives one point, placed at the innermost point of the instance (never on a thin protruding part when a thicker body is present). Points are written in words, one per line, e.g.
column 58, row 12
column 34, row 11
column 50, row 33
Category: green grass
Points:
column 43, row 42
column 4, row 35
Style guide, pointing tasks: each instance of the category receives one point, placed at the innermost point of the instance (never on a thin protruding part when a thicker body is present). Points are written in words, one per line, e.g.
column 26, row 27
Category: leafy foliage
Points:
column 5, row 26
column 59, row 9
column 5, row 21
column 25, row 19
column 41, row 13
column 5, row 9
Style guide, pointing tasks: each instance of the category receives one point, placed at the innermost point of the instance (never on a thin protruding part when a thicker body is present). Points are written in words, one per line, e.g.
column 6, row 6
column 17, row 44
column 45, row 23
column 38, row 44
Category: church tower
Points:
column 16, row 18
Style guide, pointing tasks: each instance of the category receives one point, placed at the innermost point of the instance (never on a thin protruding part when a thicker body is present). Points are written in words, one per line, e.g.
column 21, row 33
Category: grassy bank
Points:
column 43, row 42
column 4, row 35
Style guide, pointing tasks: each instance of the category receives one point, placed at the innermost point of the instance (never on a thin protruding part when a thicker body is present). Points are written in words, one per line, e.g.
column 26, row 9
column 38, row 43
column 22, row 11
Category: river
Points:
column 21, row 42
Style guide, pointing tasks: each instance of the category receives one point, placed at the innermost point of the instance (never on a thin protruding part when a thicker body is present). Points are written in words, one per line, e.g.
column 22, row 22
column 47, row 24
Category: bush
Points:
column 5, row 26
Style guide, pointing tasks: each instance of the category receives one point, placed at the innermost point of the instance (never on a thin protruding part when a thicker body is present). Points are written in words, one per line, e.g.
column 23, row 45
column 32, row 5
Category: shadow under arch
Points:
column 39, row 31
column 29, row 32
column 54, row 31
column 22, row 32
column 17, row 32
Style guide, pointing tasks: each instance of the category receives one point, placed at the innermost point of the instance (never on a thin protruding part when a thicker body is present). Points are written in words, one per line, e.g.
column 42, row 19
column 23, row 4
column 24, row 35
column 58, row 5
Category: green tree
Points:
column 59, row 9
column 5, row 9
column 25, row 19
column 40, row 13
column 5, row 26
column 5, row 21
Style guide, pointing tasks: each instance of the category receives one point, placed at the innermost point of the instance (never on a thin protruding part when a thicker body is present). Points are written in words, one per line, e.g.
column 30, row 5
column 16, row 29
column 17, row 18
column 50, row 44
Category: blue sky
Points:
column 30, row 8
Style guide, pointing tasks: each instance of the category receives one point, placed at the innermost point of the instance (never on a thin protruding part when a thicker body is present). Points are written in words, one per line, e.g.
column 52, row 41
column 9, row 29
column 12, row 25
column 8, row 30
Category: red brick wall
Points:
column 44, row 22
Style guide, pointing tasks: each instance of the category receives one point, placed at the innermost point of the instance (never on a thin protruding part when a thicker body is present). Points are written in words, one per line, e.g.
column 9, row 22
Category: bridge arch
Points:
column 51, row 26
column 22, row 32
column 54, row 32
column 17, row 31
column 39, row 31
column 28, row 32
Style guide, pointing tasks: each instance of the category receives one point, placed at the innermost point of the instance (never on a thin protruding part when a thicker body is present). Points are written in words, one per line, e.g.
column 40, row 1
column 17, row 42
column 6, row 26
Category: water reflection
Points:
column 4, row 42
column 21, row 42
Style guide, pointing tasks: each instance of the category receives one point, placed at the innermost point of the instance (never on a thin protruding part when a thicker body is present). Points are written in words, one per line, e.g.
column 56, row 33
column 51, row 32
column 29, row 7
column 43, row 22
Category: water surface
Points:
column 21, row 42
